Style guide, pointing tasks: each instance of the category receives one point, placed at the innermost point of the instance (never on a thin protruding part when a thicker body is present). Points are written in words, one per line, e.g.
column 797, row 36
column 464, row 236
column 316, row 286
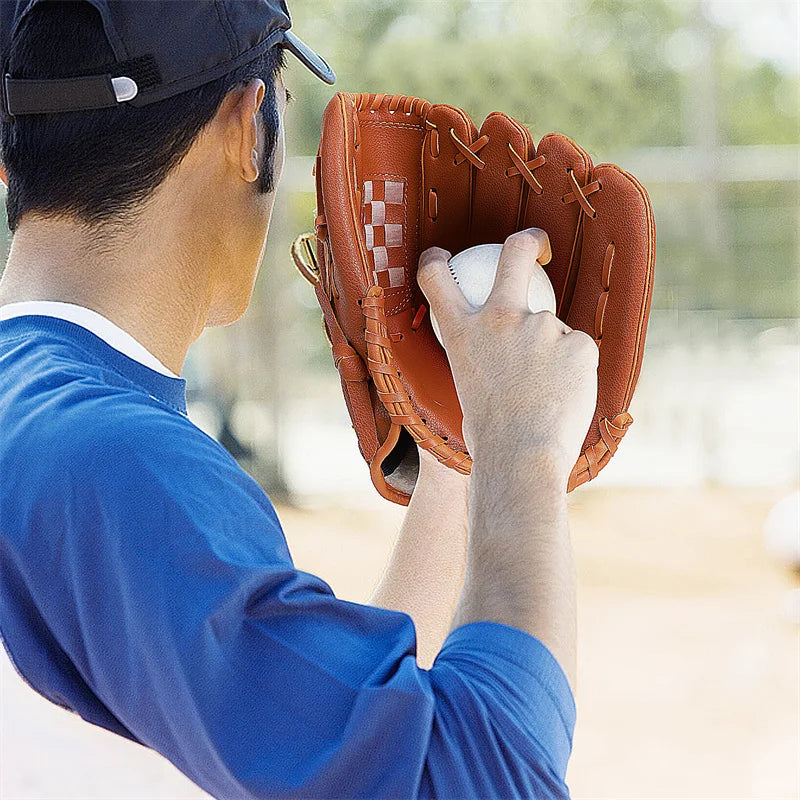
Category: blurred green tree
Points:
column 615, row 75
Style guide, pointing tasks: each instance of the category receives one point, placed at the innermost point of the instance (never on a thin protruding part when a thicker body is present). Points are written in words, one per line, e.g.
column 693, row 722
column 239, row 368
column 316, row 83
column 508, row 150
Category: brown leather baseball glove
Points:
column 396, row 175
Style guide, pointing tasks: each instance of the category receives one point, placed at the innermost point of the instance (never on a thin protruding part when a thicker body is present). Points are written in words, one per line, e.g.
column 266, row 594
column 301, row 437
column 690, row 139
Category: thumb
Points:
column 444, row 296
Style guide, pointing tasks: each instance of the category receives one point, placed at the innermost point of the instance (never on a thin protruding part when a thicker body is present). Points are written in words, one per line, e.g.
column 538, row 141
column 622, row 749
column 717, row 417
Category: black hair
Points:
column 98, row 166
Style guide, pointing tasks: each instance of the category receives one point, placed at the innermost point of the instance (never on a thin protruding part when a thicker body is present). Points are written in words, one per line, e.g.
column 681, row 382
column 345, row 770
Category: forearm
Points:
column 425, row 572
column 520, row 569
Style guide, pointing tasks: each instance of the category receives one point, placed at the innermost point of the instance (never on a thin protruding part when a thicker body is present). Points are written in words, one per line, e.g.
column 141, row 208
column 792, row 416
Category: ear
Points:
column 3, row 176
column 241, row 135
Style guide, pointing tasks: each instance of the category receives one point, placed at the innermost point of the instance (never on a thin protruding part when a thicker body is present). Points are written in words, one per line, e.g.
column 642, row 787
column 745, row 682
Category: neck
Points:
column 143, row 279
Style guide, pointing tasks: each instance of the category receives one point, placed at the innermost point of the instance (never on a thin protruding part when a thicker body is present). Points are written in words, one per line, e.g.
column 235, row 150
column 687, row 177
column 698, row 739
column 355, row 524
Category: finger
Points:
column 585, row 344
column 434, row 278
column 549, row 318
column 520, row 253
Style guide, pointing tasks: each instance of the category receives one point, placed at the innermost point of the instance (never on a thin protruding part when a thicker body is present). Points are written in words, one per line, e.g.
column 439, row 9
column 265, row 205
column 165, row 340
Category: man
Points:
column 146, row 583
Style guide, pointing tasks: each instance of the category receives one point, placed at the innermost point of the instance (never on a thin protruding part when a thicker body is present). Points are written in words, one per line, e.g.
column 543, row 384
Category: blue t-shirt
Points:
column 145, row 583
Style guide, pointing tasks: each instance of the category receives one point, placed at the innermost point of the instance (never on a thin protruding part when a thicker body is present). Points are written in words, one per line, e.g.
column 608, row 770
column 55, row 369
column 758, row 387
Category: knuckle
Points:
column 547, row 317
column 426, row 275
column 547, row 322
column 580, row 338
column 431, row 263
column 500, row 312
column 585, row 346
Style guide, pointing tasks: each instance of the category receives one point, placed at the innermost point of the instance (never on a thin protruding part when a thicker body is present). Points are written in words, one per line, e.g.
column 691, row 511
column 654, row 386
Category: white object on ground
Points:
column 782, row 531
column 474, row 269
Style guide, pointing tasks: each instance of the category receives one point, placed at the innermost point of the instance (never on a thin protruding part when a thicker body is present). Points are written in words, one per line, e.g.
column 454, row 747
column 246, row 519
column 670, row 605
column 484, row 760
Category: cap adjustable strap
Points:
column 107, row 87
column 31, row 96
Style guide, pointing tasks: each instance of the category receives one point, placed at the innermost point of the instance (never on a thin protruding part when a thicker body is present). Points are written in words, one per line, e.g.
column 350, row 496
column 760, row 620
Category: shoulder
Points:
column 130, row 425
column 119, row 447
column 59, row 406
column 80, row 444
column 101, row 429
column 132, row 443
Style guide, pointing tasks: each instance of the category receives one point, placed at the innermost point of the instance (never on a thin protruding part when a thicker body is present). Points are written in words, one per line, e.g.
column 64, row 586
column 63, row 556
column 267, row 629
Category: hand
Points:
column 527, row 382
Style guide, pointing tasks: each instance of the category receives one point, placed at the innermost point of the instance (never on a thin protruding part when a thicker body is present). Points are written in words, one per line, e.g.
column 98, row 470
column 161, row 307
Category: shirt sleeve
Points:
column 193, row 626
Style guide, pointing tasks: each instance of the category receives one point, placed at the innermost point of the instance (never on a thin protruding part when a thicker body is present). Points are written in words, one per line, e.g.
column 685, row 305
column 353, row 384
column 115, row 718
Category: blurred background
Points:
column 688, row 544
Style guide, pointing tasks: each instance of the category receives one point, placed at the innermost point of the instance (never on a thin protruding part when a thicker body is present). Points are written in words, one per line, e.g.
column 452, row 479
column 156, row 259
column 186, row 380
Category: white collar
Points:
column 96, row 323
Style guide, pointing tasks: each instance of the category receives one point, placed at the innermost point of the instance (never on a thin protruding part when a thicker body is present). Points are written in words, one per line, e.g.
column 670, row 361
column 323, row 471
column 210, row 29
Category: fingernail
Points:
column 547, row 256
column 546, row 253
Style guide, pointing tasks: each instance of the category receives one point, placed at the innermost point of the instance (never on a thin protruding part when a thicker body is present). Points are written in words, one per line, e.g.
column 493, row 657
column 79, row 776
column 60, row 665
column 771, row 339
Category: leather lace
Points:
column 469, row 152
column 605, row 286
column 580, row 193
column 525, row 168
column 373, row 102
column 597, row 455
column 434, row 138
column 418, row 317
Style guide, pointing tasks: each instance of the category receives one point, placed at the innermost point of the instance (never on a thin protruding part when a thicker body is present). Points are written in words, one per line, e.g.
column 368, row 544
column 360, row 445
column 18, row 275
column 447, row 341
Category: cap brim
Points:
column 315, row 62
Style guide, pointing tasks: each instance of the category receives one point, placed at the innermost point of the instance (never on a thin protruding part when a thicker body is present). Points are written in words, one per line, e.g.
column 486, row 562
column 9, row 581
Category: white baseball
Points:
column 474, row 270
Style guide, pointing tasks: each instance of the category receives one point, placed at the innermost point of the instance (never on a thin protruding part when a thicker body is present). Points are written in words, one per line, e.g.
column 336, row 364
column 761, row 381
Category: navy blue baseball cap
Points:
column 161, row 49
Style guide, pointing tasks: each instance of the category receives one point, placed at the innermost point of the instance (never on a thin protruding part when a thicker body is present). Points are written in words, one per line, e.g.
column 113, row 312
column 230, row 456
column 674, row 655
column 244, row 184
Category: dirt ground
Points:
column 689, row 680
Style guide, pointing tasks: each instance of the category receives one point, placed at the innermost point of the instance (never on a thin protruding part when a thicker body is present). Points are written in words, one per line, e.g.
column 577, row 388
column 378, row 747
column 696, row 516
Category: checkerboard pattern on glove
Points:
column 383, row 214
